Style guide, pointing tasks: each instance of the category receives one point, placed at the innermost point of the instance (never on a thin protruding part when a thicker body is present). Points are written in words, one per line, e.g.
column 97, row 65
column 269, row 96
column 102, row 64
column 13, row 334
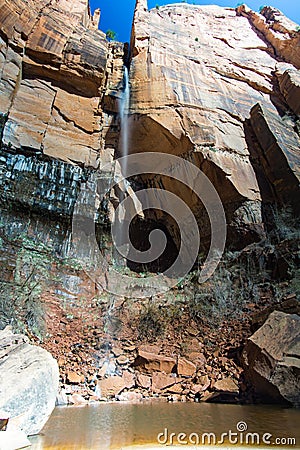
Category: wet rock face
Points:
column 39, row 183
column 271, row 359
column 28, row 382
column 54, row 64
column 197, row 73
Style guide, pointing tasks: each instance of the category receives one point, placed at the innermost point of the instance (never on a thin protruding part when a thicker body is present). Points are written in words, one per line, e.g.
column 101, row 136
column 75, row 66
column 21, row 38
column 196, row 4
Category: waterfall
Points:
column 121, row 171
column 124, row 110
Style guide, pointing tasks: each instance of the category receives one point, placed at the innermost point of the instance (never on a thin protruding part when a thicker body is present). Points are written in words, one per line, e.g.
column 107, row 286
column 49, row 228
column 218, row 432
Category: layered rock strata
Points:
column 226, row 98
column 55, row 65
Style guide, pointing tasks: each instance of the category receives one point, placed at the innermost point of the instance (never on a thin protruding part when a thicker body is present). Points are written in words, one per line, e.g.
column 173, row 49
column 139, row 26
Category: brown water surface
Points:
column 119, row 426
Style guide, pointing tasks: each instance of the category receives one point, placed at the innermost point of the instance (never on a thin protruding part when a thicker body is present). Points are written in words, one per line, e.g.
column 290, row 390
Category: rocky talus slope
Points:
column 216, row 86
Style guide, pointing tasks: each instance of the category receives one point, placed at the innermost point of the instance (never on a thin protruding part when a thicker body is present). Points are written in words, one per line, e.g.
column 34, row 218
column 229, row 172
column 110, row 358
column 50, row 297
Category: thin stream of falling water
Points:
column 124, row 104
column 124, row 134
column 124, row 110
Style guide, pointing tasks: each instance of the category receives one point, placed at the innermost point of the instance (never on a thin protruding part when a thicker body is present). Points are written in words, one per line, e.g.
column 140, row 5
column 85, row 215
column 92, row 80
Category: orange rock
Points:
column 198, row 358
column 74, row 378
column 185, row 368
column 143, row 381
column 161, row 381
column 129, row 379
column 151, row 362
column 226, row 385
column 109, row 387
column 122, row 360
column 117, row 351
column 175, row 389
column 150, row 348
column 112, row 386
column 203, row 384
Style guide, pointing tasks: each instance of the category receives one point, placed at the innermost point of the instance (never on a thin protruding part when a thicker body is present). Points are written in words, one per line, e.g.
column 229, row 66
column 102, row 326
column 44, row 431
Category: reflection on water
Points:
column 117, row 425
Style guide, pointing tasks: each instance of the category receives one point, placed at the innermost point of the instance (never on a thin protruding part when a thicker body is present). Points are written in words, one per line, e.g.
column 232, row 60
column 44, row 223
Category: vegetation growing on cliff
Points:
column 111, row 35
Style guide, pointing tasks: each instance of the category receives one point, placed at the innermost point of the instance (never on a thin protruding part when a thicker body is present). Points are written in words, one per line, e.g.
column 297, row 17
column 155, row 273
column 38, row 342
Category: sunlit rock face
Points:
column 53, row 68
column 208, row 84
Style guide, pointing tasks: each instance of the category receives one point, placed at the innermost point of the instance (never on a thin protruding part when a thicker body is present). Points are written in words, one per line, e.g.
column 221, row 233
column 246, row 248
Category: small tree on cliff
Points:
column 111, row 35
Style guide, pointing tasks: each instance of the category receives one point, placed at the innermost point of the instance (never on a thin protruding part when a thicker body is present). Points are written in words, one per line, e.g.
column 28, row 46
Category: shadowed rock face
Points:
column 271, row 359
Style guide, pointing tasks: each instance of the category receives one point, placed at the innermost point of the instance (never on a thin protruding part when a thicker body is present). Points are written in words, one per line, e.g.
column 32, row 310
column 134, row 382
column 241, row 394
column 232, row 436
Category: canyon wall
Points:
column 216, row 86
column 55, row 65
column 220, row 87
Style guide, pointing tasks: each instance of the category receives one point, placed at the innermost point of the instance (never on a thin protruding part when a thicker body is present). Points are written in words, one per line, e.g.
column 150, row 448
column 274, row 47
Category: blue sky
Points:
column 117, row 14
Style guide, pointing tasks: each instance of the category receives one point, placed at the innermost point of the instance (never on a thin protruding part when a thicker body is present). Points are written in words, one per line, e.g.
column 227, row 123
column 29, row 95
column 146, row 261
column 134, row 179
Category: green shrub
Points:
column 111, row 35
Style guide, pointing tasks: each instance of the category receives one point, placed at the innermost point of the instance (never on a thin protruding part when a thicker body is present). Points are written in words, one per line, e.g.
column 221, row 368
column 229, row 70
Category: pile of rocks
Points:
column 133, row 373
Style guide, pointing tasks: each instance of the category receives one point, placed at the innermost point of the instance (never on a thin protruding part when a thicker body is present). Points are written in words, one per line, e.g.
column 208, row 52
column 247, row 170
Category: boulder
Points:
column 122, row 360
column 143, row 381
column 74, row 378
column 129, row 379
column 151, row 362
column 271, row 359
column 112, row 386
column 185, row 368
column 13, row 439
column 161, row 381
column 132, row 397
column 62, row 398
column 29, row 378
column 77, row 399
column 201, row 386
column 226, row 385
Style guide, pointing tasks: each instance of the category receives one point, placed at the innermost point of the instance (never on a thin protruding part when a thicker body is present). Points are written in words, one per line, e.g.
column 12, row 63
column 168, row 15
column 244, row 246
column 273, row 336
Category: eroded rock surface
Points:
column 55, row 134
